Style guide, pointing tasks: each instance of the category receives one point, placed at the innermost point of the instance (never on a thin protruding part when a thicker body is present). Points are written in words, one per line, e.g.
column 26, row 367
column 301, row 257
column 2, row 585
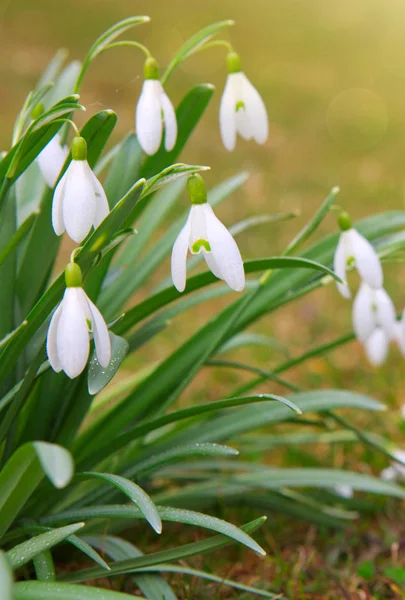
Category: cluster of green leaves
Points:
column 140, row 457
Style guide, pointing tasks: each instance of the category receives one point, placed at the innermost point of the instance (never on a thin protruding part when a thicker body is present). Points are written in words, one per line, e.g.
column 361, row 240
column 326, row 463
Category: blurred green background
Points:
column 333, row 78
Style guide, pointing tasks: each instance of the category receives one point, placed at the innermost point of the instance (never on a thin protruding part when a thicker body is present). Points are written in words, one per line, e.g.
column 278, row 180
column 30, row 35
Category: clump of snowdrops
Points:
column 74, row 458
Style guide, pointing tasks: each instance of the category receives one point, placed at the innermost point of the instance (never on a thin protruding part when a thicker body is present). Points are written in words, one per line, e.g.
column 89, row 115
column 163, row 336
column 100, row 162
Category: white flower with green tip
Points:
column 354, row 249
column 204, row 233
column 154, row 113
column 79, row 201
column 68, row 339
column 242, row 110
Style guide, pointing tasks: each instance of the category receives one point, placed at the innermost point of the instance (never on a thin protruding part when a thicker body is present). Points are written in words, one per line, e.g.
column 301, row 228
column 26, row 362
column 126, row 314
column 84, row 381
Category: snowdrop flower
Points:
column 353, row 248
column 372, row 309
column 79, row 201
column 376, row 347
column 51, row 160
column 396, row 471
column 242, row 109
column 153, row 112
column 344, row 490
column 204, row 233
column 68, row 340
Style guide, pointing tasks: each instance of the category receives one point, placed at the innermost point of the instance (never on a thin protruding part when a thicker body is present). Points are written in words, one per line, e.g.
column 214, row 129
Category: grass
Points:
column 333, row 77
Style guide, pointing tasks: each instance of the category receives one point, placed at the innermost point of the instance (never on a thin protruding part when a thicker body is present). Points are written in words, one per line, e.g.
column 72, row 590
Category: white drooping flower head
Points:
column 242, row 109
column 154, row 113
column 68, row 339
column 79, row 201
column 204, row 233
column 377, row 346
column 396, row 471
column 51, row 160
column 354, row 249
column 372, row 309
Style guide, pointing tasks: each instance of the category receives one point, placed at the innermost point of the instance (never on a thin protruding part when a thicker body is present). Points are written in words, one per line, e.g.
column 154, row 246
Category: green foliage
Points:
column 139, row 456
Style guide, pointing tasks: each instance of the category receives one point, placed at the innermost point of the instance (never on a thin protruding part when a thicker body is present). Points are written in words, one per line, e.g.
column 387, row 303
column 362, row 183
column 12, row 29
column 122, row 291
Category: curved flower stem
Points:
column 127, row 43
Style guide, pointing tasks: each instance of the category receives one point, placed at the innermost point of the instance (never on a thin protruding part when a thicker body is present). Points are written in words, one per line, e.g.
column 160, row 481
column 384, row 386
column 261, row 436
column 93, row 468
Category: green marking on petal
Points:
column 350, row 261
column 240, row 105
column 199, row 245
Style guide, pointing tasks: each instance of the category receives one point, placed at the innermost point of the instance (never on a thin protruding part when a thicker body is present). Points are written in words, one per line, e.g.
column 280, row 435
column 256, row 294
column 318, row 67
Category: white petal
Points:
column 57, row 214
column 377, row 347
column 51, row 340
column 364, row 317
column 179, row 257
column 102, row 206
column 224, row 251
column 100, row 333
column 399, row 333
column 198, row 225
column 79, row 201
column 73, row 343
column 169, row 117
column 386, row 314
column 212, row 264
column 389, row 474
column 340, row 264
column 51, row 160
column 148, row 117
column 255, row 110
column 367, row 262
column 227, row 114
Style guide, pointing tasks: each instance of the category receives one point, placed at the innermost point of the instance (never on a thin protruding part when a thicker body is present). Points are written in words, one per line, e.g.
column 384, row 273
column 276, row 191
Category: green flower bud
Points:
column 79, row 148
column 151, row 68
column 73, row 275
column 233, row 62
column 344, row 221
column 196, row 189
column 37, row 111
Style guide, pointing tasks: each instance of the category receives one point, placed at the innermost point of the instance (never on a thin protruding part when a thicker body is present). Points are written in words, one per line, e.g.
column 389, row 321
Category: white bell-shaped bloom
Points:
column 354, row 248
column 79, row 201
column 396, row 471
column 373, row 308
column 204, row 232
column 242, row 111
column 51, row 160
column 344, row 490
column 376, row 346
column 154, row 113
column 68, row 340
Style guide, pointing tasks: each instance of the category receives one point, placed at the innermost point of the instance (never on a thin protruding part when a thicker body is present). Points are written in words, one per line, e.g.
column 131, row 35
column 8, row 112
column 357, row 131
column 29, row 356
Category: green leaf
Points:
column 98, row 377
column 47, row 590
column 153, row 585
column 17, row 237
column 44, row 567
column 314, row 223
column 135, row 493
column 194, row 44
column 168, row 568
column 6, row 578
column 366, row 569
column 195, row 548
column 186, row 413
column 22, row 554
column 170, row 294
column 24, row 471
column 84, row 547
column 167, row 513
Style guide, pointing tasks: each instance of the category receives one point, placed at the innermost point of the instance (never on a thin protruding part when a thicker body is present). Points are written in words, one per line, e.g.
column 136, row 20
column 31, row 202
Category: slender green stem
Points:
column 252, row 369
column 213, row 44
column 70, row 122
column 129, row 43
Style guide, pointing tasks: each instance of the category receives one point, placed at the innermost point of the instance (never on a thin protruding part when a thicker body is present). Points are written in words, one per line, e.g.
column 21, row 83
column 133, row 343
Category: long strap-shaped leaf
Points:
column 51, row 590
column 126, row 566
